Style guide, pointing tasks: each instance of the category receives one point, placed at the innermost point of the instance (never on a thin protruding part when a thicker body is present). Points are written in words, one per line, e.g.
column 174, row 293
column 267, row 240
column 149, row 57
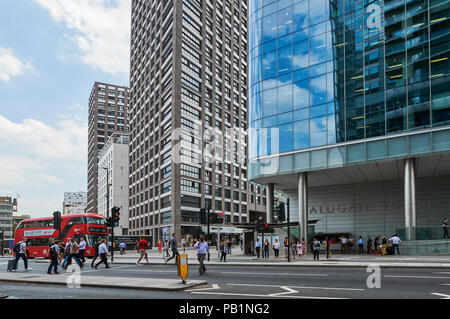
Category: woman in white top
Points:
column 276, row 248
column 293, row 250
column 299, row 249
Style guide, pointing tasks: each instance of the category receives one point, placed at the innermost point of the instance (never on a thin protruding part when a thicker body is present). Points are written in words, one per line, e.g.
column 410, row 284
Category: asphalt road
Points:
column 254, row 282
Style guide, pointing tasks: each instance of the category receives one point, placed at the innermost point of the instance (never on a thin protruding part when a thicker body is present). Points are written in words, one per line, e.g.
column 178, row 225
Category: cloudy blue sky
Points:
column 51, row 53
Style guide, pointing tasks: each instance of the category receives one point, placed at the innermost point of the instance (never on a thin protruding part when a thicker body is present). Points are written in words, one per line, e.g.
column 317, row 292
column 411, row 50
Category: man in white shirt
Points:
column 21, row 254
column 122, row 247
column 258, row 247
column 103, row 252
column 82, row 249
column 202, row 249
column 395, row 243
column 343, row 244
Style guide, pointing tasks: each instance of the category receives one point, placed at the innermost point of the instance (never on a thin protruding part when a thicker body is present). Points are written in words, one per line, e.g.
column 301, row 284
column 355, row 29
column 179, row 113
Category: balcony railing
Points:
column 422, row 233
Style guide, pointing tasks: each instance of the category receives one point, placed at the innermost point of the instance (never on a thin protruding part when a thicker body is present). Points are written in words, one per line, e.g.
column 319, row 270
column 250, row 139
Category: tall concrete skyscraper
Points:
column 108, row 109
column 188, row 115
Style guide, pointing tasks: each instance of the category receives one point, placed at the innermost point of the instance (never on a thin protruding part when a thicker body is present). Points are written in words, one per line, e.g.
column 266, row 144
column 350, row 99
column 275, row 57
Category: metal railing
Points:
column 421, row 233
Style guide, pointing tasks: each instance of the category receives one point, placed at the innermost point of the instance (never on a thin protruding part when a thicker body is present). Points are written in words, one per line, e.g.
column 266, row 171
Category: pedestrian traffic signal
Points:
column 263, row 227
column 281, row 212
column 259, row 226
column 213, row 218
column 202, row 215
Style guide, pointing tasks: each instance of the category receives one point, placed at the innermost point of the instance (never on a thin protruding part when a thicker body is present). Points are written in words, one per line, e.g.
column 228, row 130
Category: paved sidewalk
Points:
column 100, row 281
column 338, row 260
column 349, row 260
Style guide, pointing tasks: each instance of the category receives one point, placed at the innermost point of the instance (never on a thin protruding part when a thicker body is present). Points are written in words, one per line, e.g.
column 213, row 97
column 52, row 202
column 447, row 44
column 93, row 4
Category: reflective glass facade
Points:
column 324, row 72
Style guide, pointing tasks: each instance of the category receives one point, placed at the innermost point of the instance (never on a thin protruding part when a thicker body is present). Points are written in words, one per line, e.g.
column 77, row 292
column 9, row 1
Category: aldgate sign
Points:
column 340, row 208
column 365, row 207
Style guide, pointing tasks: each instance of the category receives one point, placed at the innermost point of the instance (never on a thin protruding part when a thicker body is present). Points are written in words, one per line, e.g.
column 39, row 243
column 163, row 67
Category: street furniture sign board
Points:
column 183, row 267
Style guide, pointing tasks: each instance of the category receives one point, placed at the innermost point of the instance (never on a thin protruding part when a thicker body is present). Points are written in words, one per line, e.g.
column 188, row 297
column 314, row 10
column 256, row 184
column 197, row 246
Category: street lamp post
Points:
column 108, row 213
column 262, row 238
column 289, row 230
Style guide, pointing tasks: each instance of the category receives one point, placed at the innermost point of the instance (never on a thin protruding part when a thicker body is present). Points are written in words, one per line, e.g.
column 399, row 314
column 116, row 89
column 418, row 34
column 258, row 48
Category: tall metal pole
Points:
column 108, row 214
column 289, row 230
column 262, row 241
column 218, row 241
column 207, row 217
column 1, row 239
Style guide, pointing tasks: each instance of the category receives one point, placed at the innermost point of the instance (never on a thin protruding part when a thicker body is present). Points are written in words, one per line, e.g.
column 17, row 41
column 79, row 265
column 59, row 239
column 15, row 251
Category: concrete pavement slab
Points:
column 337, row 260
column 101, row 281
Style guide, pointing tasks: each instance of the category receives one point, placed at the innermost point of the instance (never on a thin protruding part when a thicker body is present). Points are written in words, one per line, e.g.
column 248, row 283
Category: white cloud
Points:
column 11, row 66
column 16, row 170
column 49, row 179
column 42, row 206
column 41, row 161
column 102, row 31
column 67, row 141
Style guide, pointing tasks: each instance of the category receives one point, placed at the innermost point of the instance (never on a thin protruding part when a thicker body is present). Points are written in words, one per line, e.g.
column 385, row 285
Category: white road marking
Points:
column 266, row 296
column 300, row 287
column 271, row 274
column 214, row 287
column 442, row 273
column 96, row 270
column 288, row 291
column 441, row 295
column 418, row 277
column 151, row 270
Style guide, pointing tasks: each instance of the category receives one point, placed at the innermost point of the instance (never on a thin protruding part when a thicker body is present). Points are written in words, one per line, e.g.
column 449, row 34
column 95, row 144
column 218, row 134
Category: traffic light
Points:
column 115, row 216
column 57, row 220
column 213, row 218
column 109, row 222
column 281, row 212
column 202, row 214
column 262, row 227
column 259, row 225
column 219, row 217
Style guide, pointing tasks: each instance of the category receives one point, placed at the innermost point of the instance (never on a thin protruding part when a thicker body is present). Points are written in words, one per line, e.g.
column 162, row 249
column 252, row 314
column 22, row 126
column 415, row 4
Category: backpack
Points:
column 96, row 248
column 53, row 253
column 16, row 247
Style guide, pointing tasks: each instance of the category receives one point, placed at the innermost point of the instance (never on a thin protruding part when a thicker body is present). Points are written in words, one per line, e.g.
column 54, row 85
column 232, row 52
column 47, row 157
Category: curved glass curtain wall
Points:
column 329, row 71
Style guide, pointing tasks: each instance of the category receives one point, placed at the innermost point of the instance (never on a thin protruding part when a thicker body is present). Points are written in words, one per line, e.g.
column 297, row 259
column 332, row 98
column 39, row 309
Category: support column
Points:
column 303, row 207
column 269, row 202
column 410, row 198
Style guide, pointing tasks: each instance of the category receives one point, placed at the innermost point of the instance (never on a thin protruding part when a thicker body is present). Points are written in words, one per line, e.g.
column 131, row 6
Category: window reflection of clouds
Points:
column 301, row 134
column 269, row 102
column 318, row 131
column 286, row 96
column 318, row 90
column 285, row 137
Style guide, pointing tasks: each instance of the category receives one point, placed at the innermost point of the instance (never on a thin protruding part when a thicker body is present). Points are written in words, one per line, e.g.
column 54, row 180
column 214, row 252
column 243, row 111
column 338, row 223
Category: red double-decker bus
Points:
column 38, row 231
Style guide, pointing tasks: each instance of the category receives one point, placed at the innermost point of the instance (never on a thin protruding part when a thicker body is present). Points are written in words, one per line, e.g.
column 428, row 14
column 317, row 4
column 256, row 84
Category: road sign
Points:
column 182, row 267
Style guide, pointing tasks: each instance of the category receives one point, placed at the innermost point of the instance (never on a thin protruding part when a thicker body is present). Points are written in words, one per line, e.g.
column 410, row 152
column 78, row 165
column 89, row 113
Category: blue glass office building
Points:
column 351, row 92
